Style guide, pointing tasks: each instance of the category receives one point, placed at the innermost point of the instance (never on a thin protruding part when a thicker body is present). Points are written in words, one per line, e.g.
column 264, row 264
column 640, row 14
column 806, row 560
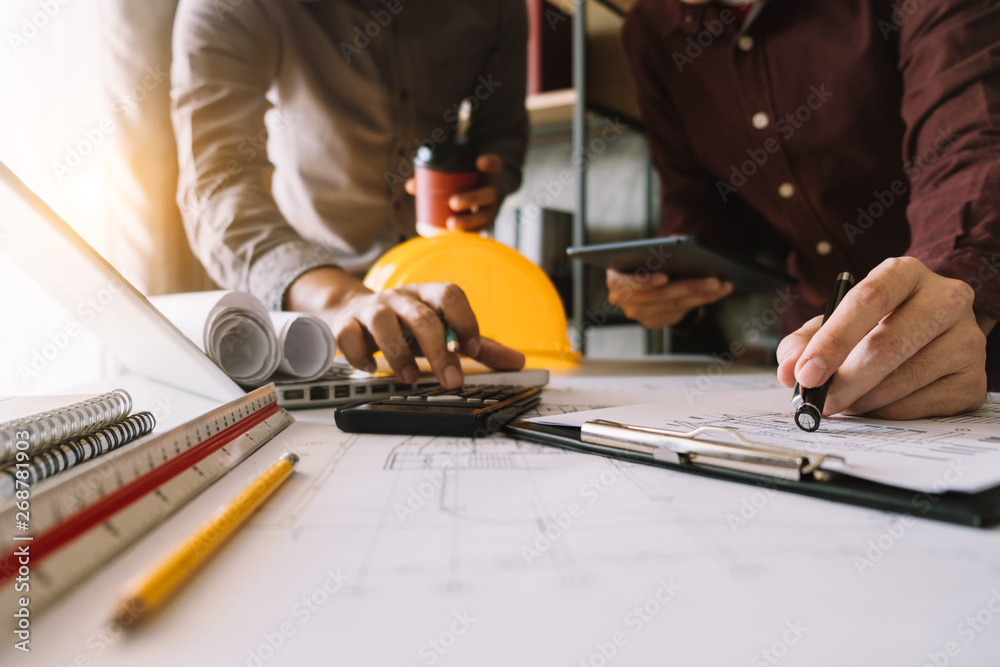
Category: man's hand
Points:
column 474, row 209
column 403, row 322
column 904, row 343
column 655, row 301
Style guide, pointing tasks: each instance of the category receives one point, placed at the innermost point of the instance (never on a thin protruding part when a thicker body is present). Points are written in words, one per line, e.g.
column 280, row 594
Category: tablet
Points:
column 683, row 257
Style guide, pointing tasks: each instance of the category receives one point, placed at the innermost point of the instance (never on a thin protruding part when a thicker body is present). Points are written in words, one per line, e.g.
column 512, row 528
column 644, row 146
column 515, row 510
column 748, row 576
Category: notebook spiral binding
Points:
column 75, row 419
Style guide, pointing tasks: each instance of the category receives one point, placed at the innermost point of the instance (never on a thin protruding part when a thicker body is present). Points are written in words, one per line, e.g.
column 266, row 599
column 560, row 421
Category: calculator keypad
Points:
column 470, row 395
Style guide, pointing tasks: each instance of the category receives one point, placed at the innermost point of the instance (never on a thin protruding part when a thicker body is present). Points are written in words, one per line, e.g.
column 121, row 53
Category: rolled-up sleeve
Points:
column 951, row 106
column 225, row 57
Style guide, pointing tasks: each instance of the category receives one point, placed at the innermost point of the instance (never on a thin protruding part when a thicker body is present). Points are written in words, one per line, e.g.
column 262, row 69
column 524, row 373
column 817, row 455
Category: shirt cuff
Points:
column 274, row 272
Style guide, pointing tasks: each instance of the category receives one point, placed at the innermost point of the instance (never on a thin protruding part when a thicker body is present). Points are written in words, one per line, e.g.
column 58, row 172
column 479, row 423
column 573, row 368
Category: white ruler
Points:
column 79, row 519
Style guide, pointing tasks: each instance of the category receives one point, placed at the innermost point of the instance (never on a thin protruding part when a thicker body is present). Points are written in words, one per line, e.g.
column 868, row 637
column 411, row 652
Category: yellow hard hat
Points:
column 514, row 301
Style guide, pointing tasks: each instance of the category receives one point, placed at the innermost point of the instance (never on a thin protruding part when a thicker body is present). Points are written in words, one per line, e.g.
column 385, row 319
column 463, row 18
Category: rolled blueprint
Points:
column 306, row 344
column 232, row 328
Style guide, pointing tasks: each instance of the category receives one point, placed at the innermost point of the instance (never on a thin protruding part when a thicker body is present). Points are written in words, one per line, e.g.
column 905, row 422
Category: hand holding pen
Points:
column 810, row 401
column 904, row 343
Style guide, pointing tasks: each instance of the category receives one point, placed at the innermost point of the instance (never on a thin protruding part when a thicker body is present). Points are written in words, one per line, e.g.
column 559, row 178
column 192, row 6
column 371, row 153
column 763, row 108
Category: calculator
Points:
column 470, row 411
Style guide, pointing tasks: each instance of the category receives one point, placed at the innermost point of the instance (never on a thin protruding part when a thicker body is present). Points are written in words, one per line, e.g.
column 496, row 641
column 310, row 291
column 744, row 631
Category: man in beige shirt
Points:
column 296, row 125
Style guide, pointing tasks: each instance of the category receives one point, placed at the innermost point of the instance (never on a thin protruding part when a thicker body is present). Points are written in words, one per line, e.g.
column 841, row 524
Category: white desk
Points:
column 429, row 537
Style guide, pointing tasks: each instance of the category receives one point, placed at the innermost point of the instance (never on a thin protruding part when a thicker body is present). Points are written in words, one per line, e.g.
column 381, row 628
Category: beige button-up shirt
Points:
column 297, row 122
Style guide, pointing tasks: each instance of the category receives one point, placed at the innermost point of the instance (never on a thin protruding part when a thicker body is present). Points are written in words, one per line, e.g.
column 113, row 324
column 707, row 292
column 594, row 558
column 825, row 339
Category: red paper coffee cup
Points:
column 439, row 174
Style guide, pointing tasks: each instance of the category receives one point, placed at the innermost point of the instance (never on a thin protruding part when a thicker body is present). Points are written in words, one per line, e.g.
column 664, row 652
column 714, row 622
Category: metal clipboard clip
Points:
column 686, row 449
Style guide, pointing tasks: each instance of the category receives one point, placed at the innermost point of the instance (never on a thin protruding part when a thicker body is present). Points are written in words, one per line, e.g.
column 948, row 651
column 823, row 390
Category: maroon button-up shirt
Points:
column 854, row 131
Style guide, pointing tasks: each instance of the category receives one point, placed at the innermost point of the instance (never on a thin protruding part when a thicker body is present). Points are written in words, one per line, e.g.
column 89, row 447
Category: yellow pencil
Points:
column 148, row 591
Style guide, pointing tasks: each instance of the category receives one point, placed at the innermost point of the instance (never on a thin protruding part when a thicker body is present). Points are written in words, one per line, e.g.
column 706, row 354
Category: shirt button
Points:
column 786, row 190
column 824, row 248
column 760, row 120
column 688, row 18
column 745, row 42
column 404, row 94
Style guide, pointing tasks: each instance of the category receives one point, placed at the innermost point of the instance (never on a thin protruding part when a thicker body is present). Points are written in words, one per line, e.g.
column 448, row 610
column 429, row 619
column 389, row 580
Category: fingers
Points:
column 450, row 301
column 664, row 303
column 383, row 322
column 954, row 361
column 407, row 320
column 489, row 163
column 657, row 288
column 474, row 209
column 473, row 222
column 618, row 282
column 424, row 323
column 498, row 357
column 790, row 349
column 473, row 199
column 888, row 285
column 950, row 395
column 353, row 344
column 904, row 343
column 702, row 292
column 938, row 305
column 410, row 186
column 891, row 346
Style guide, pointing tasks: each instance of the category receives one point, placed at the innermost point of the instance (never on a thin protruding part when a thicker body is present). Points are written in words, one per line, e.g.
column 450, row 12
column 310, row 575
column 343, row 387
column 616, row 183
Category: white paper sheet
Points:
column 378, row 548
column 250, row 344
column 959, row 453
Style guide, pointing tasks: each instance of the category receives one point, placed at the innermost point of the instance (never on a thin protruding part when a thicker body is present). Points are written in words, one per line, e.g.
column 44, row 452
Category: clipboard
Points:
column 702, row 452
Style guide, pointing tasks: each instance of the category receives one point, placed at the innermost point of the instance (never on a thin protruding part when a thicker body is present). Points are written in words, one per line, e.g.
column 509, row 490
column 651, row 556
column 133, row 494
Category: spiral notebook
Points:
column 41, row 421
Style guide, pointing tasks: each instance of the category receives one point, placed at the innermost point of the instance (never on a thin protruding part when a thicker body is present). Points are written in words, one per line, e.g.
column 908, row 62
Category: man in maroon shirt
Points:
column 867, row 135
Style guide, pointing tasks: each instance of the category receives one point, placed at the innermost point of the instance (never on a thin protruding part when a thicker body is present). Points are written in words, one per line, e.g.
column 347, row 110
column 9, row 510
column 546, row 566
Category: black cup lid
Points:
column 447, row 157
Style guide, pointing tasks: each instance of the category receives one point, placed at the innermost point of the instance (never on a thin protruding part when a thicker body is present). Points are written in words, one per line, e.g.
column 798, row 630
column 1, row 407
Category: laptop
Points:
column 47, row 249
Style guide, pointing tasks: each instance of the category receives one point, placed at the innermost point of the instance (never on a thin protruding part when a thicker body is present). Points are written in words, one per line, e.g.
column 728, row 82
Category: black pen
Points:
column 808, row 401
